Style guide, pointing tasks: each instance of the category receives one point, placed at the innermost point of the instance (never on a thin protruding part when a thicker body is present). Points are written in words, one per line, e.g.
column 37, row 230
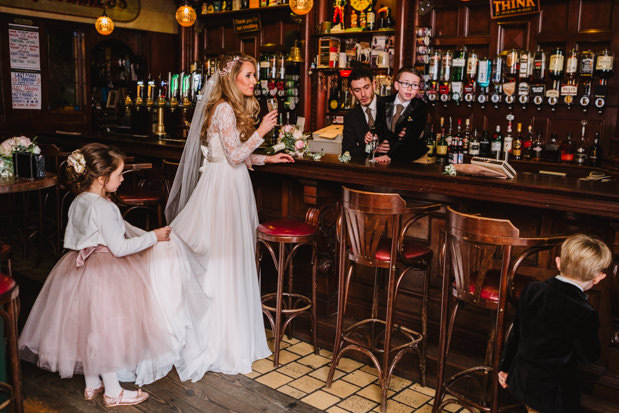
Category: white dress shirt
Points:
column 397, row 102
column 94, row 220
column 372, row 107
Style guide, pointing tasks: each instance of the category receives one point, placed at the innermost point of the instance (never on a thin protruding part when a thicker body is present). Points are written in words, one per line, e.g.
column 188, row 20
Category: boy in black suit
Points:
column 556, row 328
column 367, row 115
column 405, row 119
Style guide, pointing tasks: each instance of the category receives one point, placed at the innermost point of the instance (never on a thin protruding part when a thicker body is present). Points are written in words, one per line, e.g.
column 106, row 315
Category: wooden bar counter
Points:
column 537, row 204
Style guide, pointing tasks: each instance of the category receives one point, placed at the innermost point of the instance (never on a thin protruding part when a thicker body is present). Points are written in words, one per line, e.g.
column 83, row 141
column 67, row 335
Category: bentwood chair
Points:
column 481, row 259
column 9, row 311
column 136, row 195
column 372, row 234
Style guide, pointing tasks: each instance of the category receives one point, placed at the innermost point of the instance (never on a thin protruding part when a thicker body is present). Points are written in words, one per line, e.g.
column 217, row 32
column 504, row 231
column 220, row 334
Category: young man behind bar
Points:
column 556, row 328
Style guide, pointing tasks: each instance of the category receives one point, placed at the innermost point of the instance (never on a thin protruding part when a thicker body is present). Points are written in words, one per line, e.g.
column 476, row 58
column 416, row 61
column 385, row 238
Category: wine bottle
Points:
column 567, row 149
column 538, row 147
column 484, row 145
column 555, row 68
column 474, row 144
column 496, row 144
column 595, row 151
column 517, row 145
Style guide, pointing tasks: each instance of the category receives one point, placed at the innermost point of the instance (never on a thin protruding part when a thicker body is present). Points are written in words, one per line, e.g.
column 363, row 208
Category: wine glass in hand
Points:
column 272, row 104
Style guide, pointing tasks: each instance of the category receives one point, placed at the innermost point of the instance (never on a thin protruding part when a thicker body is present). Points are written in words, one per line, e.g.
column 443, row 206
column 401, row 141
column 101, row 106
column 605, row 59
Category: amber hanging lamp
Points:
column 301, row 7
column 186, row 15
column 104, row 25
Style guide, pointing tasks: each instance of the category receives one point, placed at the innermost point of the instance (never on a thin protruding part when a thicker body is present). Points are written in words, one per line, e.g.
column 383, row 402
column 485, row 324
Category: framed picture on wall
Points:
column 112, row 99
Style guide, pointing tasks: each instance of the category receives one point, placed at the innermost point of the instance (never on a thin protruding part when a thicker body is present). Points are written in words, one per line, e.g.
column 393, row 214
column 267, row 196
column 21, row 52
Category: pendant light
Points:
column 104, row 25
column 186, row 15
column 301, row 7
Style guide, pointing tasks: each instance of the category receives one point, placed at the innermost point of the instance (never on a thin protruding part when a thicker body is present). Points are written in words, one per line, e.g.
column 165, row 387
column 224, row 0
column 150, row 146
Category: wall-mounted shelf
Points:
column 243, row 11
column 355, row 33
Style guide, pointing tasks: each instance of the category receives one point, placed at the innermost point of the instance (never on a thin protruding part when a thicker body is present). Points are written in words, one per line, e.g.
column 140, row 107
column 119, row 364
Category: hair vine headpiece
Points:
column 228, row 68
column 77, row 161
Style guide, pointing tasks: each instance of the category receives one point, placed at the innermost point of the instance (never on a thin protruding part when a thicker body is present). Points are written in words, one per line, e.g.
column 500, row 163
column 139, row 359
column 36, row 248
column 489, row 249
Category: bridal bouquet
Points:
column 294, row 140
column 15, row 145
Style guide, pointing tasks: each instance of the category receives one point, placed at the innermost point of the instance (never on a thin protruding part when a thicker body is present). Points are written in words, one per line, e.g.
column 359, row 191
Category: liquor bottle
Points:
column 527, row 145
column 570, row 89
column 444, row 87
column 370, row 18
column 595, row 151
column 517, row 145
column 512, row 59
column 466, row 138
column 265, row 70
column 431, row 144
column 524, row 77
column 581, row 150
column 587, row 60
column 551, row 150
column 441, row 148
column 471, row 76
column 484, row 145
column 484, row 73
column 449, row 139
column 567, row 149
column 496, row 144
column 474, row 144
column 603, row 70
column 456, row 143
column 508, row 139
column 458, row 71
column 538, row 87
column 460, row 150
column 334, row 102
column 497, row 81
column 538, row 147
column 434, row 73
column 556, row 67
column 278, row 147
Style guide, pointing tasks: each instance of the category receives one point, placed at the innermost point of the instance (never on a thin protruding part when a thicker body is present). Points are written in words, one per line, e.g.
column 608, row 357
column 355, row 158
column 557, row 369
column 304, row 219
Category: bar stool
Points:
column 282, row 307
column 478, row 270
column 9, row 311
column 139, row 198
column 5, row 258
column 366, row 240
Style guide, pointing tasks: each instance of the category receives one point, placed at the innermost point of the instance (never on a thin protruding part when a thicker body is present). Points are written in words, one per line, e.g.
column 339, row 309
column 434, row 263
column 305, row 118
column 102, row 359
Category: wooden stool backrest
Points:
column 368, row 215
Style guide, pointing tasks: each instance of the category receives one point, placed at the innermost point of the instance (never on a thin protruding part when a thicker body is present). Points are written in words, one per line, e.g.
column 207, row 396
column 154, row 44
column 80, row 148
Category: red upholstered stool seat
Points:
column 6, row 283
column 412, row 250
column 140, row 198
column 9, row 311
column 5, row 249
column 287, row 228
column 490, row 289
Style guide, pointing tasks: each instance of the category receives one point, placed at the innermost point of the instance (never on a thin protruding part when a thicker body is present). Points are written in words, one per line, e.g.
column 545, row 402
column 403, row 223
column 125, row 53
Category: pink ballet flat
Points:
column 121, row 400
column 91, row 394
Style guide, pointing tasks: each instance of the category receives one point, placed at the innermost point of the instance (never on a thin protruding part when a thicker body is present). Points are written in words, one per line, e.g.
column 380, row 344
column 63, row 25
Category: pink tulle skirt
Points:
column 96, row 318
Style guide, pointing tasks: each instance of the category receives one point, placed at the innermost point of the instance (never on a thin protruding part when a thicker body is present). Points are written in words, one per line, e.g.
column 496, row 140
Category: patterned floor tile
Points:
column 314, row 361
column 411, row 398
column 372, row 392
column 301, row 348
column 307, row 384
column 294, row 370
column 323, row 372
column 428, row 391
column 274, row 379
column 357, row 404
column 335, row 409
column 292, row 392
column 320, row 400
column 360, row 378
column 252, row 374
column 263, row 366
column 398, row 383
column 285, row 357
column 341, row 388
column 348, row 365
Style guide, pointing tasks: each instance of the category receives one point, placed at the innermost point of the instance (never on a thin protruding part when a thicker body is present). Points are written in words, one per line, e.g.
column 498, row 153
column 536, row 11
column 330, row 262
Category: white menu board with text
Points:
column 26, row 90
column 24, row 47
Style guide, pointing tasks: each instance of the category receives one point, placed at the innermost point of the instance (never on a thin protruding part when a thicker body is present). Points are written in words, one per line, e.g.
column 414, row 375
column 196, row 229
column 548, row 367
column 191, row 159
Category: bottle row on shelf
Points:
column 518, row 77
column 447, row 147
column 216, row 6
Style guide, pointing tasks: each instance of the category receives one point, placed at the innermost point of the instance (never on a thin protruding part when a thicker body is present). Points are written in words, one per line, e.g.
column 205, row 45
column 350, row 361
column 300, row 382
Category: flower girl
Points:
column 97, row 314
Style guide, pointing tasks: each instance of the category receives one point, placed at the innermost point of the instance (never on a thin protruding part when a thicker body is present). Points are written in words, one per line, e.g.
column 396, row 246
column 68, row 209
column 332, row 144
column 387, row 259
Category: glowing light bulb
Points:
column 186, row 16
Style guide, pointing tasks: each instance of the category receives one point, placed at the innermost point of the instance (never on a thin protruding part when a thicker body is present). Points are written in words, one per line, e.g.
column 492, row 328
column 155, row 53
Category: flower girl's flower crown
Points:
column 77, row 161
column 228, row 68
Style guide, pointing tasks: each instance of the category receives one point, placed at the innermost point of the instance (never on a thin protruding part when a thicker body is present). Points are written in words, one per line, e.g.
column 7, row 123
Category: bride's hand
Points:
column 279, row 158
column 269, row 120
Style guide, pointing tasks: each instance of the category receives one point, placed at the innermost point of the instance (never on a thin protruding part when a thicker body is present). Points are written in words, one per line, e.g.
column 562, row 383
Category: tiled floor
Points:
column 303, row 375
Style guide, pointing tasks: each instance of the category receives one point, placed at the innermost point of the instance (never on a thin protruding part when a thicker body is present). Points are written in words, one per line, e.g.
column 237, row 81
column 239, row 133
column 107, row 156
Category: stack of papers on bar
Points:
column 330, row 132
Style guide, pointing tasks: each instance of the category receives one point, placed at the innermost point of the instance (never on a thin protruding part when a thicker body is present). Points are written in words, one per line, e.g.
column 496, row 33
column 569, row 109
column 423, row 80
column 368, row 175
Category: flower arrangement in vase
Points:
column 14, row 146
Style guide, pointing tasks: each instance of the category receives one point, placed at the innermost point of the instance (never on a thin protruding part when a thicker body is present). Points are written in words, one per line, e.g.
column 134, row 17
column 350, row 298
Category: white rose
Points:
column 6, row 148
column 23, row 141
column 297, row 134
column 36, row 150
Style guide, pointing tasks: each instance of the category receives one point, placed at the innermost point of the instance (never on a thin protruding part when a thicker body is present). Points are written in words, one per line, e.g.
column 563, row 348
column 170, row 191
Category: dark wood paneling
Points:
column 445, row 22
column 514, row 35
column 554, row 17
column 595, row 15
column 478, row 21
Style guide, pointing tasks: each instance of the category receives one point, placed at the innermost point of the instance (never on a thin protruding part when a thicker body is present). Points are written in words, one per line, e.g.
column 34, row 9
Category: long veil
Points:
column 187, row 174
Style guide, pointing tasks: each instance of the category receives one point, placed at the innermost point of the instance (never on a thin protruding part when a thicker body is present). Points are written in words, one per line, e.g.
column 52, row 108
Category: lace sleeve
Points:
column 257, row 159
column 236, row 151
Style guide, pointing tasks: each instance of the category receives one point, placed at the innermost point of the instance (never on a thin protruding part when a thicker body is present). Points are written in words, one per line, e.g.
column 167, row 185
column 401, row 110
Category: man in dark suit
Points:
column 556, row 328
column 364, row 117
column 405, row 119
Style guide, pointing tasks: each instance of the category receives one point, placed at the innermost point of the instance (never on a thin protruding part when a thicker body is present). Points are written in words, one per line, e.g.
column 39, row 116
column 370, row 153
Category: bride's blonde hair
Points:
column 246, row 108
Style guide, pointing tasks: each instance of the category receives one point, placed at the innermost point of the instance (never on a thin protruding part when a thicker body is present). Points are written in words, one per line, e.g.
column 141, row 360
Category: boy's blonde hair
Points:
column 583, row 257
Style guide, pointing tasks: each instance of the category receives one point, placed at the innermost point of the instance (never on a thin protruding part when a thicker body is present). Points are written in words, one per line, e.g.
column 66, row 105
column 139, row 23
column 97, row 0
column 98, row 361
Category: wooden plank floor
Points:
column 46, row 392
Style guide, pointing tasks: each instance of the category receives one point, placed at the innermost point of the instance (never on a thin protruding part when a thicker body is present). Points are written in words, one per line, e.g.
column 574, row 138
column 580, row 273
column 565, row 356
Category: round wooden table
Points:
column 13, row 185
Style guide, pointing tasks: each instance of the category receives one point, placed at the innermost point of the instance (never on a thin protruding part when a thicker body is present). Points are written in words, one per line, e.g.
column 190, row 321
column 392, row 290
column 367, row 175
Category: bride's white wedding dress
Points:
column 218, row 224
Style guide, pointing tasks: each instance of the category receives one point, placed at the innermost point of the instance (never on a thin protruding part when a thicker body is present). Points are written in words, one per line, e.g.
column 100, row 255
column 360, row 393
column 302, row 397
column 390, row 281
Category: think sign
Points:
column 509, row 8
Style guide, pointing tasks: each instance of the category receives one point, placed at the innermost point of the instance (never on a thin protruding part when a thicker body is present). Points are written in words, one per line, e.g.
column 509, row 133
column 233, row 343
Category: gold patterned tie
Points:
column 368, row 110
column 398, row 111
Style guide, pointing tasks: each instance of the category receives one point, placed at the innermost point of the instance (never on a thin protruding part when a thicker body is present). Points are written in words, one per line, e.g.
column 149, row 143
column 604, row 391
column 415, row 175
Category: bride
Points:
column 215, row 215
